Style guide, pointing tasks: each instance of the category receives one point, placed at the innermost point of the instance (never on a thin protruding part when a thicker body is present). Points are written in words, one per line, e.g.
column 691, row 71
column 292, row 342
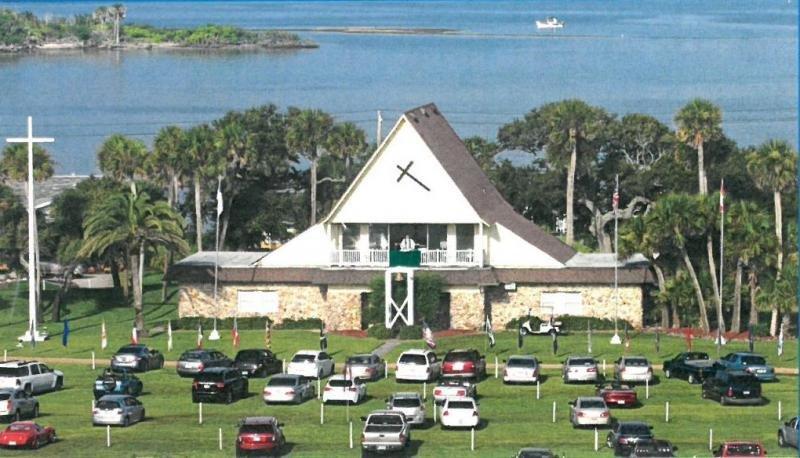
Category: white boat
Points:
column 550, row 23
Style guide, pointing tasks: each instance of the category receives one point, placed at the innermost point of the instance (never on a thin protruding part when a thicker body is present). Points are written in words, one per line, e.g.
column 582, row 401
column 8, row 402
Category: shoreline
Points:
column 169, row 46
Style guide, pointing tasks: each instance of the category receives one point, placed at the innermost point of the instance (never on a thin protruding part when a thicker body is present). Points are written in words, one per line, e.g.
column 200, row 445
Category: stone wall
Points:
column 466, row 308
column 339, row 307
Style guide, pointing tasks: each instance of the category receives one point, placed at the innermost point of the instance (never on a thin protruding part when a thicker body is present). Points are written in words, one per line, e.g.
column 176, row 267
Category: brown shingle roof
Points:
column 475, row 185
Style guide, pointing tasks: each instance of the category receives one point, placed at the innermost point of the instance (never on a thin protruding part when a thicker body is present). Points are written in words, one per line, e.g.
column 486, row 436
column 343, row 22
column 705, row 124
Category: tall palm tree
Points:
column 307, row 135
column 637, row 237
column 132, row 223
column 205, row 162
column 677, row 219
column 122, row 159
column 572, row 133
column 698, row 122
column 346, row 141
column 773, row 167
column 234, row 143
column 118, row 13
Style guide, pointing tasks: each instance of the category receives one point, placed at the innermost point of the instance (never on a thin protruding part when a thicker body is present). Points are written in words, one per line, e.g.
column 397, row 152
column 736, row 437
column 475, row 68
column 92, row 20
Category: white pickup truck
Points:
column 31, row 376
column 385, row 431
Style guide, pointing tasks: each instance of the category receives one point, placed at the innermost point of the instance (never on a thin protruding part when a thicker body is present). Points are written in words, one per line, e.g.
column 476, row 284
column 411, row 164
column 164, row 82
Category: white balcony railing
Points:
column 380, row 258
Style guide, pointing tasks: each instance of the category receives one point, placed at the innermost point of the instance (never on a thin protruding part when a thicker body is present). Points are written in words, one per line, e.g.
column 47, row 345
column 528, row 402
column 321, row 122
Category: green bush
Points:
column 304, row 323
column 428, row 288
column 410, row 332
column 580, row 323
column 222, row 323
column 379, row 331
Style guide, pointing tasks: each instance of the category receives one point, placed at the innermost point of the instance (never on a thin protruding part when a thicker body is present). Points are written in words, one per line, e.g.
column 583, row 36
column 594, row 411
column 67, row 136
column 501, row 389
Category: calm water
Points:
column 624, row 55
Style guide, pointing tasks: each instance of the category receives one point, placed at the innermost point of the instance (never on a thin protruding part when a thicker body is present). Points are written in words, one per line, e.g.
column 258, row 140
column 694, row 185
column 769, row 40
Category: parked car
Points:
column 521, row 369
column 117, row 381
column 625, row 434
column 220, row 384
column 260, row 435
column 460, row 412
column 27, row 434
column 617, row 394
column 409, row 404
column 137, row 358
column 733, row 388
column 117, row 409
column 589, row 411
column 787, row 434
column 418, row 365
column 579, row 369
column 344, row 389
column 288, row 388
column 257, row 363
column 464, row 364
column 534, row 452
column 193, row 362
column 31, row 376
column 740, row 449
column 692, row 366
column 748, row 362
column 366, row 367
column 454, row 388
column 652, row 449
column 385, row 431
column 633, row 369
column 311, row 364
column 15, row 404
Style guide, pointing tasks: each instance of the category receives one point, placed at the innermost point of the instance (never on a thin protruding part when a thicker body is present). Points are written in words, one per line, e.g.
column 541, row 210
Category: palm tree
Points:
column 118, row 13
column 637, row 237
column 122, row 159
column 132, row 223
column 699, row 121
column 346, row 141
column 572, row 130
column 233, row 142
column 773, row 167
column 677, row 219
column 205, row 162
column 307, row 135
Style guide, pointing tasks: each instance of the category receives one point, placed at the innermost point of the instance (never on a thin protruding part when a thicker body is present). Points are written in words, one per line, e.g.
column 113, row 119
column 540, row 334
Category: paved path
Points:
column 387, row 347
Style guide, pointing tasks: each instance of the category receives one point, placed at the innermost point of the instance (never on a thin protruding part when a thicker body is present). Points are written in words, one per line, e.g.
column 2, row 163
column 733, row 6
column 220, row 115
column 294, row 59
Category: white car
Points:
column 409, row 404
column 288, row 388
column 589, row 411
column 453, row 388
column 31, row 376
column 342, row 389
column 311, row 364
column 460, row 412
column 418, row 365
column 579, row 369
column 521, row 369
column 633, row 369
column 117, row 409
column 367, row 367
column 16, row 404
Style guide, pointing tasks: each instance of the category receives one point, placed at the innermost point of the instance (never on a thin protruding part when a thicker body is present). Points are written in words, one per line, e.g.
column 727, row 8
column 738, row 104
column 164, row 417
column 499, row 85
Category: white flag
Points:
column 169, row 335
column 103, row 336
column 219, row 198
column 134, row 336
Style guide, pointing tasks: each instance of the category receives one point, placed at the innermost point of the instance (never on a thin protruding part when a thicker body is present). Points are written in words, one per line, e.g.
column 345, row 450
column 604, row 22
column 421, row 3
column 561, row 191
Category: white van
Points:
column 418, row 365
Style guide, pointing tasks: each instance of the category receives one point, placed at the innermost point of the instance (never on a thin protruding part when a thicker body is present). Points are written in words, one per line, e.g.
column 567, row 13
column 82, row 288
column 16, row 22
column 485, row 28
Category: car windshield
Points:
column 282, row 381
column 744, row 449
column 636, row 362
column 696, row 356
column 460, row 405
column 256, row 429
column 406, row 402
column 458, row 356
column 13, row 371
column 340, row 382
column 303, row 359
column 130, row 350
column 194, row 355
column 108, row 405
column 210, row 377
column 384, row 423
column 358, row 360
column 743, row 379
column 616, row 386
column 20, row 427
column 581, row 362
column 413, row 359
column 635, row 430
column 521, row 362
column 593, row 404
column 753, row 361
column 5, row 396
column 248, row 355
column 536, row 454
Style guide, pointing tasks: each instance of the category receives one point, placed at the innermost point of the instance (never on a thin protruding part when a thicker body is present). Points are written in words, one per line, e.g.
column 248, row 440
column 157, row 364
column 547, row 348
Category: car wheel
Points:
column 195, row 399
column 53, row 438
column 691, row 379
column 17, row 415
column 781, row 440
column 36, row 411
column 28, row 390
column 229, row 397
column 144, row 415
column 609, row 441
column 126, row 422
column 36, row 444
column 59, row 383
column 667, row 373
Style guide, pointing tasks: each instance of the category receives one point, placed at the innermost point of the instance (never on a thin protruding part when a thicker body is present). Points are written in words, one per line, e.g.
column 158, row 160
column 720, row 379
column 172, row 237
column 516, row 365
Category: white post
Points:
column 108, row 435
column 385, row 370
column 200, row 414
column 496, row 366
column 604, row 368
column 647, row 388
column 93, row 404
column 351, row 434
column 283, row 366
column 666, row 412
column 596, row 440
column 537, row 390
column 780, row 410
column 472, row 440
column 220, row 438
column 554, row 411
column 322, row 413
column 710, row 438
column 5, row 355
column 93, row 365
column 318, row 390
column 434, row 411
column 424, row 391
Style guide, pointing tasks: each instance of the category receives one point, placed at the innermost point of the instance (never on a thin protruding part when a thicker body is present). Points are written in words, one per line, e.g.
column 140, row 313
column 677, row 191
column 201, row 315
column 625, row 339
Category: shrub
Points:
column 191, row 322
column 379, row 331
column 304, row 323
column 410, row 332
column 580, row 323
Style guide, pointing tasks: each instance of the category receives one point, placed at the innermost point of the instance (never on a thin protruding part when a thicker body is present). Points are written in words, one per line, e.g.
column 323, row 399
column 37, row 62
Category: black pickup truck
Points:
column 693, row 366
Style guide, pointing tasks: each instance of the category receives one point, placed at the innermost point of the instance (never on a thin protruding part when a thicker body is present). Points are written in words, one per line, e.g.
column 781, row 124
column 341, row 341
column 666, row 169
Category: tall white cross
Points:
column 30, row 140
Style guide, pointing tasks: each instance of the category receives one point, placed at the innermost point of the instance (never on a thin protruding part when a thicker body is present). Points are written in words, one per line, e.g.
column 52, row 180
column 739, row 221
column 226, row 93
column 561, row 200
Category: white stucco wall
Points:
column 312, row 248
column 507, row 249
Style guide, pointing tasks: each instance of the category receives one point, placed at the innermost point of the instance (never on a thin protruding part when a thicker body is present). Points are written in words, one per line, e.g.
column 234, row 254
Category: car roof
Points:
column 215, row 370
column 17, row 363
column 340, row 377
column 579, row 357
column 258, row 420
column 415, row 351
column 634, row 357
column 362, row 354
column 292, row 376
column 455, row 381
column 386, row 412
column 406, row 394
column 114, row 397
column 134, row 346
column 308, row 352
column 590, row 398
column 459, row 398
column 523, row 357
column 462, row 350
column 632, row 423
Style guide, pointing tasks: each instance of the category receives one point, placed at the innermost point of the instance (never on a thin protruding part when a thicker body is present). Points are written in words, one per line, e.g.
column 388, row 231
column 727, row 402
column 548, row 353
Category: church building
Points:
column 420, row 203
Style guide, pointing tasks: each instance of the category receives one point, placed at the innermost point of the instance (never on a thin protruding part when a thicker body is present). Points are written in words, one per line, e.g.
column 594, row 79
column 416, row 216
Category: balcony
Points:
column 380, row 258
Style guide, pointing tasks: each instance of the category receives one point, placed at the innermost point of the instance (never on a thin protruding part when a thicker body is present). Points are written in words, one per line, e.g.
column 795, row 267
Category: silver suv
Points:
column 410, row 404
column 31, row 376
column 15, row 404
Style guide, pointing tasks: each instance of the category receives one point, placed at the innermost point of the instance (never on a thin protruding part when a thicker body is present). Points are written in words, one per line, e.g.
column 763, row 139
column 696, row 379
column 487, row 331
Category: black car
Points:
column 625, row 434
column 137, row 358
column 652, row 449
column 219, row 384
column 257, row 363
column 195, row 362
column 733, row 387
column 693, row 366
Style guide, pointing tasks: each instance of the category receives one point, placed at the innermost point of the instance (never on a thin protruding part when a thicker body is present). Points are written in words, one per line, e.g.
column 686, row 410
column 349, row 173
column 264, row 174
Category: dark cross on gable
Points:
column 404, row 172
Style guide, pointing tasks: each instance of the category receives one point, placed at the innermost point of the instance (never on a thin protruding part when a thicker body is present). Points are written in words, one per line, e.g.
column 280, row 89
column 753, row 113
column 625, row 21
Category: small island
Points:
column 104, row 29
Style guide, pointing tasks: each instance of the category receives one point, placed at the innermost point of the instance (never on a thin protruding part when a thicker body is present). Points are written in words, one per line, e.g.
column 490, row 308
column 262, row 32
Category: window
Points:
column 378, row 236
column 35, row 369
column 350, row 236
column 437, row 236
column 257, row 303
column 465, row 236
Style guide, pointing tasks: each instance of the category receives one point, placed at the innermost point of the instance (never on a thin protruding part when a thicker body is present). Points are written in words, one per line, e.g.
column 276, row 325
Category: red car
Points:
column 260, row 435
column 27, row 434
column 617, row 394
column 740, row 450
column 464, row 364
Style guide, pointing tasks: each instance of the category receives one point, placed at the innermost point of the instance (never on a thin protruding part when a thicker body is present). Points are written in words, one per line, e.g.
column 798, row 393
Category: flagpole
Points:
column 214, row 335
column 720, row 321
column 615, row 340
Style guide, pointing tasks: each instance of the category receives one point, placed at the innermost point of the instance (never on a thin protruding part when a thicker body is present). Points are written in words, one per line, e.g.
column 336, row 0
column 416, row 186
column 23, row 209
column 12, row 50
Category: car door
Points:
column 792, row 439
column 138, row 407
column 325, row 363
column 434, row 364
column 39, row 382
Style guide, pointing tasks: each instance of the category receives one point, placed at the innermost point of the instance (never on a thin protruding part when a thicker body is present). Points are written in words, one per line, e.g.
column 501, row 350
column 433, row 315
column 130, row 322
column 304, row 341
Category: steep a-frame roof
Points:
column 475, row 185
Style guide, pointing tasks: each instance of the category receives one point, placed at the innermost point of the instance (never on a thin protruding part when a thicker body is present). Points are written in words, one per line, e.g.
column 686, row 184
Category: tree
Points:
column 637, row 237
column 569, row 131
column 642, row 140
column 699, row 121
column 132, row 223
column 346, row 141
column 484, row 151
column 773, row 167
column 122, row 159
column 205, row 163
column 118, row 13
column 307, row 135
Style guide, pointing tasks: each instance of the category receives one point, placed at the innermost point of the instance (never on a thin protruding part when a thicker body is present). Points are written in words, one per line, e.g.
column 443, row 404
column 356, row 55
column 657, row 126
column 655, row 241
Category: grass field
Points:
column 512, row 416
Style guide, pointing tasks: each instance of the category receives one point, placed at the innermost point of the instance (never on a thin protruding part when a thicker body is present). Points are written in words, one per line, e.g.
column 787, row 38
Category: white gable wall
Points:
column 312, row 248
column 379, row 198
column 507, row 249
